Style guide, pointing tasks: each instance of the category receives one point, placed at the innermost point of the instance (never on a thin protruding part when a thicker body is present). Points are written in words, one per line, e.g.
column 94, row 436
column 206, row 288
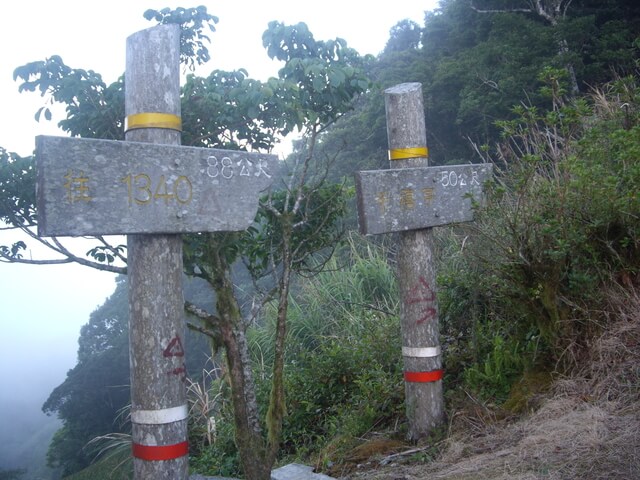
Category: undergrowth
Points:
column 524, row 288
column 343, row 370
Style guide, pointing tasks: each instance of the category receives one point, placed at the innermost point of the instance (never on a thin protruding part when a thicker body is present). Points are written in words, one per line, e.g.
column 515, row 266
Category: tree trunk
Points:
column 249, row 439
column 573, row 79
column 276, row 411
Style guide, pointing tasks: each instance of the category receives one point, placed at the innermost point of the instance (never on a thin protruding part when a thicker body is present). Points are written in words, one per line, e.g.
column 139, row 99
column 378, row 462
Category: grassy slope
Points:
column 587, row 426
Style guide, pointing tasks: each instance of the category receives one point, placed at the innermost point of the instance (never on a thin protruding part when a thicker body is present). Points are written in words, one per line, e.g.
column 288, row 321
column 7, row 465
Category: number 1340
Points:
column 141, row 190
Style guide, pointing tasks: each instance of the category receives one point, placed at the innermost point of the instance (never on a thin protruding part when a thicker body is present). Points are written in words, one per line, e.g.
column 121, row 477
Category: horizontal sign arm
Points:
column 100, row 187
column 395, row 200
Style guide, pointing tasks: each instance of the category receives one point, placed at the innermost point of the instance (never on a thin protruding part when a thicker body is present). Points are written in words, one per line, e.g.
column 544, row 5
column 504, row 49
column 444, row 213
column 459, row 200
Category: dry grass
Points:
column 588, row 427
column 205, row 398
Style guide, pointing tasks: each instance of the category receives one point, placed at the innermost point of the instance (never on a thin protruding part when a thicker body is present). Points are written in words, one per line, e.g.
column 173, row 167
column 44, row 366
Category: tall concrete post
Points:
column 148, row 187
column 156, row 305
column 415, row 269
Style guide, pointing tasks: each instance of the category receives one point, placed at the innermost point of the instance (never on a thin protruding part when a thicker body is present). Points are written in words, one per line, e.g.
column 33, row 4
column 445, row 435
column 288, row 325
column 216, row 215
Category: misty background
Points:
column 39, row 346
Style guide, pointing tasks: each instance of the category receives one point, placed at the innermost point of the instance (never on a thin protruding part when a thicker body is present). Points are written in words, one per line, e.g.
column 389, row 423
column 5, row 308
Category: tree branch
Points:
column 113, row 250
column 202, row 330
column 57, row 247
column 305, row 170
column 543, row 13
column 87, row 263
column 551, row 14
column 201, row 314
column 13, row 227
column 8, row 259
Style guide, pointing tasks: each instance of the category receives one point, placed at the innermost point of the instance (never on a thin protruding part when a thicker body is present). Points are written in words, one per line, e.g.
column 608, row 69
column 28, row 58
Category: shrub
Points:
column 560, row 220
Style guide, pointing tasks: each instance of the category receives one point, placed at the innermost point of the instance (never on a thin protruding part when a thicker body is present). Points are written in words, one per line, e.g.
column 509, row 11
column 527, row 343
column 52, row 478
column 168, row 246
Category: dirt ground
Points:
column 567, row 438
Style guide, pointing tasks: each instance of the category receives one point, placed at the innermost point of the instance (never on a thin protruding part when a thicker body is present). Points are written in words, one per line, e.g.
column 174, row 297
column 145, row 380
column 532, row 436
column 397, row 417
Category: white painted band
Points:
column 161, row 416
column 421, row 352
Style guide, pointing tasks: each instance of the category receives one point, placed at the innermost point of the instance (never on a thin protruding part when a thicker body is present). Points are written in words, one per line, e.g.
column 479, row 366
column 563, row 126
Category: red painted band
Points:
column 423, row 377
column 160, row 452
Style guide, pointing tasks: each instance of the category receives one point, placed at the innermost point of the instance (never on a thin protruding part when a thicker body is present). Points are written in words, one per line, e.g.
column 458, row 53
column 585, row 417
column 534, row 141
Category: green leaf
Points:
column 336, row 77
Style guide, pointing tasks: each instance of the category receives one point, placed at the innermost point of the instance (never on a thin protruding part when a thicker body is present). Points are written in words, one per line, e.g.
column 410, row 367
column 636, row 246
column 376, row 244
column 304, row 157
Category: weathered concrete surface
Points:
column 397, row 200
column 156, row 303
column 100, row 187
column 156, row 330
column 416, row 274
column 295, row 471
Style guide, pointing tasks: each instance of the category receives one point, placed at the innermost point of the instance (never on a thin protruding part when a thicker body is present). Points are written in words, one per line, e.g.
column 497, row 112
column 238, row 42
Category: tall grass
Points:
column 331, row 304
column 343, row 373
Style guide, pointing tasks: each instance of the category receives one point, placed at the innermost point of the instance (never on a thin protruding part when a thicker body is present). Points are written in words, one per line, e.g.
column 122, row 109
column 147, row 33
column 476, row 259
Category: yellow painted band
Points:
column 153, row 120
column 403, row 153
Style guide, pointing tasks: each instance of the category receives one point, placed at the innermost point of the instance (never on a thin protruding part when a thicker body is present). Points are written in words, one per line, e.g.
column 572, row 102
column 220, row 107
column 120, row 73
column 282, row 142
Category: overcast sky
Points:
column 43, row 308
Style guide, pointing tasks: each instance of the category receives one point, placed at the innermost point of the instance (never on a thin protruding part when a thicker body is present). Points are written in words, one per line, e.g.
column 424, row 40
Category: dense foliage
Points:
column 474, row 67
column 559, row 228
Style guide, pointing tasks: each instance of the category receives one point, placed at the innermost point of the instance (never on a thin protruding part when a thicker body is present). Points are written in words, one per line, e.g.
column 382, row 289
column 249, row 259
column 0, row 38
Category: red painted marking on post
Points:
column 179, row 371
column 429, row 314
column 422, row 293
column 160, row 452
column 423, row 377
column 174, row 349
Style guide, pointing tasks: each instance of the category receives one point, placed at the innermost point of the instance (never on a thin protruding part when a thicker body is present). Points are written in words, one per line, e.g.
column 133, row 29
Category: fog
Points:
column 43, row 308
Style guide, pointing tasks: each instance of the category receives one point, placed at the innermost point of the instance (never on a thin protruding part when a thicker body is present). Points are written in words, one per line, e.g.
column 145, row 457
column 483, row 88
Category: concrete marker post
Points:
column 156, row 303
column 416, row 274
column 152, row 189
